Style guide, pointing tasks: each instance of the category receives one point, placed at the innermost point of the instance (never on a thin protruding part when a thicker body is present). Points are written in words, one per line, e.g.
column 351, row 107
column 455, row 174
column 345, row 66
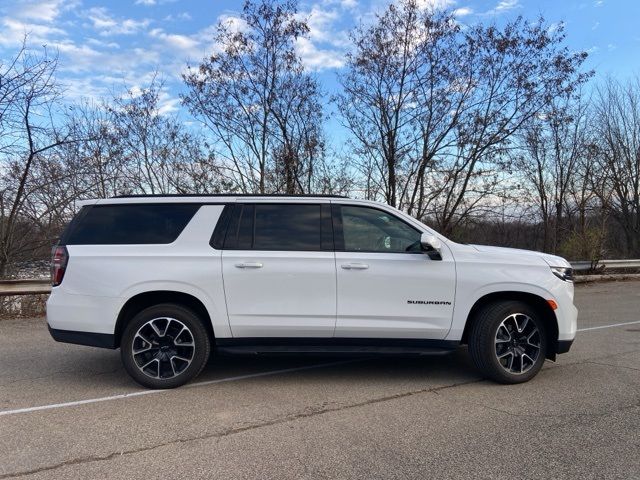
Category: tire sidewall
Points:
column 200, row 338
column 497, row 314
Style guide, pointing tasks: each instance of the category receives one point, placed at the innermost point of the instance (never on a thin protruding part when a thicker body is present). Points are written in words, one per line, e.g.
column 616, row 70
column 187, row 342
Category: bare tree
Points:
column 299, row 145
column 262, row 109
column 97, row 160
column 130, row 146
column 617, row 127
column 553, row 146
column 156, row 147
column 380, row 87
column 433, row 108
column 587, row 208
column 28, row 135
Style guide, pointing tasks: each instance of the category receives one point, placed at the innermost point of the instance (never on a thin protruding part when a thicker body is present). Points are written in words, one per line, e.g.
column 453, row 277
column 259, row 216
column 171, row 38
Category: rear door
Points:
column 388, row 288
column 279, row 270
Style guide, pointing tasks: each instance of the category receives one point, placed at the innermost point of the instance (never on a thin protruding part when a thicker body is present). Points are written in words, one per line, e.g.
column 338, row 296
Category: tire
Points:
column 164, row 346
column 495, row 333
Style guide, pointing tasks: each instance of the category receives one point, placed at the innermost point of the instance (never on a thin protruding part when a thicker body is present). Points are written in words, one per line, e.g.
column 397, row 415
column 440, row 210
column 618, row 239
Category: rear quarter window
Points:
column 129, row 224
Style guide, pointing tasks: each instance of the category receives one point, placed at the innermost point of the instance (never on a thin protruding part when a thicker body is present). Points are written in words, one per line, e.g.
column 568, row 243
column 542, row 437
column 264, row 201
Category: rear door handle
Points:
column 355, row 266
column 249, row 265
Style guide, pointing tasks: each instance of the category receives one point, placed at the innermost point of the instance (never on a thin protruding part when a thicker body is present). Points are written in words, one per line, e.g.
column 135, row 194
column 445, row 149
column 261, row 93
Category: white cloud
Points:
column 328, row 37
column 554, row 26
column 34, row 19
column 504, row 6
column 462, row 11
column 507, row 5
column 151, row 3
column 107, row 25
column 41, row 10
column 320, row 22
column 167, row 104
column 233, row 22
column 101, row 43
column 80, row 57
column 194, row 46
column 180, row 16
column 315, row 58
column 343, row 4
column 349, row 4
column 435, row 4
column 91, row 65
column 14, row 32
column 598, row 3
column 175, row 41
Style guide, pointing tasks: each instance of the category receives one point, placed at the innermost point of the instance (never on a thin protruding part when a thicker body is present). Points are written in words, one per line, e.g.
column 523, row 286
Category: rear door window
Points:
column 281, row 227
column 287, row 227
column 130, row 224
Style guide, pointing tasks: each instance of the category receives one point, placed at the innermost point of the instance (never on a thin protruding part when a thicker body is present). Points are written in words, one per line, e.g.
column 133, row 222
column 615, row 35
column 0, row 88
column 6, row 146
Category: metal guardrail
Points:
column 43, row 286
column 586, row 265
column 25, row 287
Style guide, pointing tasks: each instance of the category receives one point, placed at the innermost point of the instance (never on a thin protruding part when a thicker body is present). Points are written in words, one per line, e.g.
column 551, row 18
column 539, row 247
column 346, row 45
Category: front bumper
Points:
column 563, row 346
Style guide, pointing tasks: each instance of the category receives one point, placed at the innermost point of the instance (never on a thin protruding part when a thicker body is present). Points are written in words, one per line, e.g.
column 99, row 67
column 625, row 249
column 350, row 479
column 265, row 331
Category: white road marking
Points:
column 151, row 392
column 607, row 326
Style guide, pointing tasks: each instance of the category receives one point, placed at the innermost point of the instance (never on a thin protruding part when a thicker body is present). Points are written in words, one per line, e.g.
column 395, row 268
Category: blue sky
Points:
column 106, row 45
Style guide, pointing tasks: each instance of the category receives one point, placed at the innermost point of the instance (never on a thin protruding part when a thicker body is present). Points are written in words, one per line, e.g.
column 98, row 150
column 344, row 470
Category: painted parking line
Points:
column 608, row 326
column 152, row 392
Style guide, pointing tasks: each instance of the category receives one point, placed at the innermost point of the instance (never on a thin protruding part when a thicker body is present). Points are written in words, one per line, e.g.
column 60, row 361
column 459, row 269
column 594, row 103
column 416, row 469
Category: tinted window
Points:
column 245, row 229
column 287, row 227
column 219, row 232
column 130, row 224
column 371, row 230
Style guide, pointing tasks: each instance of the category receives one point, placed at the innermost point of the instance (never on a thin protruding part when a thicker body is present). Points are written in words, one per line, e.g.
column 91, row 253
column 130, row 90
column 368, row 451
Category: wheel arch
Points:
column 535, row 301
column 143, row 300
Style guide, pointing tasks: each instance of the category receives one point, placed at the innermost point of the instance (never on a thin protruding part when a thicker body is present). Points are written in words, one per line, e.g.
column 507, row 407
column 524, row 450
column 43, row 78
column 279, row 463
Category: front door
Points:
column 279, row 270
column 387, row 288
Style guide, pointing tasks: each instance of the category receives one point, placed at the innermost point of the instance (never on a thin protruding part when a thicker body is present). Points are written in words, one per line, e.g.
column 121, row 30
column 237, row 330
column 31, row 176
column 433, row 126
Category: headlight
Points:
column 563, row 273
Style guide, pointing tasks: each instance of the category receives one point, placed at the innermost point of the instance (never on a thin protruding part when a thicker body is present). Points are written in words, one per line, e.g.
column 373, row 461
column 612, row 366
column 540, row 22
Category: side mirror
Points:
column 431, row 245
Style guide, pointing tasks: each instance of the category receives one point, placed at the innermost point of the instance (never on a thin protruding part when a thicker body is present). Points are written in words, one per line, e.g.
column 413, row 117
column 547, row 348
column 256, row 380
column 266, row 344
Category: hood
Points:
column 551, row 260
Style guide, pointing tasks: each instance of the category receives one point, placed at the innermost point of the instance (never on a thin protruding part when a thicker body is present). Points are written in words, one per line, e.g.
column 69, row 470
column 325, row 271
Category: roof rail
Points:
column 156, row 195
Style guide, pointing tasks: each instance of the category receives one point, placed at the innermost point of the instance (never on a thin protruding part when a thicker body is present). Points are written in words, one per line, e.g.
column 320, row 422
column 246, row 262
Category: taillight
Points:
column 59, row 259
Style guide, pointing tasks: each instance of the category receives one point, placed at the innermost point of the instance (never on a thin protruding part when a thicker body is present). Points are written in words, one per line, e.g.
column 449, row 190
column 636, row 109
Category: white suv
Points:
column 169, row 278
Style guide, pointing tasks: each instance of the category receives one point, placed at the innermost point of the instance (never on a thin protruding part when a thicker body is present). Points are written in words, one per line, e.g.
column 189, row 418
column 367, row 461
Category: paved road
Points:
column 370, row 418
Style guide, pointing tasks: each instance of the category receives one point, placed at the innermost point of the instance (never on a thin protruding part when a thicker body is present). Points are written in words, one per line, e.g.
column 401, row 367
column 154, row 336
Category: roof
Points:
column 204, row 199
column 216, row 195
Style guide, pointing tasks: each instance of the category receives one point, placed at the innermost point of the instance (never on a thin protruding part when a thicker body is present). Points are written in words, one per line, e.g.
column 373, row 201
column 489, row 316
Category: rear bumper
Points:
column 102, row 340
column 82, row 313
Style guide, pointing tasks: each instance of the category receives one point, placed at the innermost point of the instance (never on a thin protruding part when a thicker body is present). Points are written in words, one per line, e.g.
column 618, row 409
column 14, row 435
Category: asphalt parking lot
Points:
column 72, row 412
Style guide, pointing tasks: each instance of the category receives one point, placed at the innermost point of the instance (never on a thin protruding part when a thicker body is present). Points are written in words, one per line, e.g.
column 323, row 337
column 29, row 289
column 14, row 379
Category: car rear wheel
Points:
column 508, row 342
column 164, row 346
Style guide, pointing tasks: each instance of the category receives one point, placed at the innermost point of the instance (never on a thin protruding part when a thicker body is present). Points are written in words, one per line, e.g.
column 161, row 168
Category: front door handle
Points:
column 249, row 265
column 355, row 266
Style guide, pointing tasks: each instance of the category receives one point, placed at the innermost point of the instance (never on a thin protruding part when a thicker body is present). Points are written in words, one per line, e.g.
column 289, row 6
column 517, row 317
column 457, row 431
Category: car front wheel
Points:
column 508, row 342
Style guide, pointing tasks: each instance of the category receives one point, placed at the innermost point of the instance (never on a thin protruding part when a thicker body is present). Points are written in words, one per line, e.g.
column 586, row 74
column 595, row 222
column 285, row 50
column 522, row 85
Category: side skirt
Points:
column 334, row 346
